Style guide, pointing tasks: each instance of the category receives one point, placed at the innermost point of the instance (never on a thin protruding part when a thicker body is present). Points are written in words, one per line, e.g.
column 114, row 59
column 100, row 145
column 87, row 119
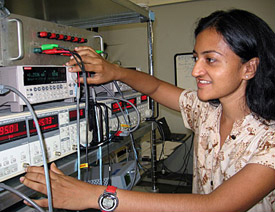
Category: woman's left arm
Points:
column 239, row 193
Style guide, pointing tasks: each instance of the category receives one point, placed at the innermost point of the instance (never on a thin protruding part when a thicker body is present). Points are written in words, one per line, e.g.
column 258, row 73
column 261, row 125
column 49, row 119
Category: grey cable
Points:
column 23, row 196
column 124, row 100
column 132, row 139
column 43, row 150
column 131, row 135
column 123, row 114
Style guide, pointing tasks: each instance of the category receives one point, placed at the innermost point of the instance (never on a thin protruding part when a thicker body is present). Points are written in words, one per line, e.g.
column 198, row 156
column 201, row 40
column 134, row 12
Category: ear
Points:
column 250, row 68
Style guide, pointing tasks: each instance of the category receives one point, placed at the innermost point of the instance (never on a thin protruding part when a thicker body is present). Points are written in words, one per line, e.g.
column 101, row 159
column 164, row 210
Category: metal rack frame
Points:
column 96, row 14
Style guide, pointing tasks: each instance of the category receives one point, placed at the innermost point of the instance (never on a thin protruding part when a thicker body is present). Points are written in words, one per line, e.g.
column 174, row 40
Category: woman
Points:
column 231, row 114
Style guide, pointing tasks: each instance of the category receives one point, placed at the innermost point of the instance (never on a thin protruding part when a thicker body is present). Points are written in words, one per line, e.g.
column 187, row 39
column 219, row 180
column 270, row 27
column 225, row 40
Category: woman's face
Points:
column 217, row 69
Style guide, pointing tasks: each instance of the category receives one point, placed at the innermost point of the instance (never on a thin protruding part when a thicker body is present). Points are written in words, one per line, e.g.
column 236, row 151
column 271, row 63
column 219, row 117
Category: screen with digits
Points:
column 46, row 124
column 73, row 114
column 115, row 106
column 44, row 75
column 13, row 131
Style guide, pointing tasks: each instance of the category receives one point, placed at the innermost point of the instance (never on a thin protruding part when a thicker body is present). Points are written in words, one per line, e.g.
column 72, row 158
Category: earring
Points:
column 246, row 77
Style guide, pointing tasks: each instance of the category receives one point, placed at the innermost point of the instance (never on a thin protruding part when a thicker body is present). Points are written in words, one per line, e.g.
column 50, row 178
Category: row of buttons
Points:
column 11, row 166
column 8, row 170
column 51, row 35
column 50, row 92
column 43, row 88
column 7, row 163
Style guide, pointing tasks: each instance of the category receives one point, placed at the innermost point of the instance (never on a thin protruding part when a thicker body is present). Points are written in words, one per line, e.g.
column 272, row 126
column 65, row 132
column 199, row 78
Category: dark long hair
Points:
column 249, row 36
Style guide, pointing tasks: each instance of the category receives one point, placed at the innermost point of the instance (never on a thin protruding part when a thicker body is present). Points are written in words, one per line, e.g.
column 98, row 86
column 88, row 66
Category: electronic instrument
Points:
column 21, row 36
column 37, row 83
column 137, row 99
column 19, row 144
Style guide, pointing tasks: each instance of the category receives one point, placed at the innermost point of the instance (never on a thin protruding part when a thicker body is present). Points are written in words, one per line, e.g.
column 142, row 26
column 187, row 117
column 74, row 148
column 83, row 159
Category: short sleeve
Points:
column 190, row 108
column 265, row 153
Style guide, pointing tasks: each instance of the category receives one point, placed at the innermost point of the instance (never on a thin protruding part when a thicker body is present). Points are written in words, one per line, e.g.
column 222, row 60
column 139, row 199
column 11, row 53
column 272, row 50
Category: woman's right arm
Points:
column 162, row 92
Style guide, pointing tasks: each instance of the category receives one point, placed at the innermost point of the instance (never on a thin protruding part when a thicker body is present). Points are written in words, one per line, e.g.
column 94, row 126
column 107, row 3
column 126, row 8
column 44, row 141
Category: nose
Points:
column 198, row 69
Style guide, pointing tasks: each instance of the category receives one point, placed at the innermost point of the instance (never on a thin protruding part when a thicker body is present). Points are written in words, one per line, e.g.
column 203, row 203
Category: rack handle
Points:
column 19, row 26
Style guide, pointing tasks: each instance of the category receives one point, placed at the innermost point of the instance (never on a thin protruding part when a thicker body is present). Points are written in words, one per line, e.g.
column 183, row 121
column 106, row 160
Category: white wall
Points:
column 173, row 33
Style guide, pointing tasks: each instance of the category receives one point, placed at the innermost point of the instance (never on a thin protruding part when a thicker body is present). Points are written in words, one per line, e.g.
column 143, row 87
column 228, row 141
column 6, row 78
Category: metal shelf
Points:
column 83, row 14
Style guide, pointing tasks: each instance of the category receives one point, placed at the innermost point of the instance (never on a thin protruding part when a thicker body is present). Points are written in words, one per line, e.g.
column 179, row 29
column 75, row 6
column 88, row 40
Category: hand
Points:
column 67, row 192
column 104, row 71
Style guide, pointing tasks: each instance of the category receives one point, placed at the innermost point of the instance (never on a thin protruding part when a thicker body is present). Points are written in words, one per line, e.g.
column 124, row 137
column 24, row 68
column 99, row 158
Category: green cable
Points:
column 98, row 51
column 49, row 46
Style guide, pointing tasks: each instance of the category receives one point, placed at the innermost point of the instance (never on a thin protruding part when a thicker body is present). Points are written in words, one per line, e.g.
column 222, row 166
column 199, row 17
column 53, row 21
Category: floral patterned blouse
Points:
column 251, row 141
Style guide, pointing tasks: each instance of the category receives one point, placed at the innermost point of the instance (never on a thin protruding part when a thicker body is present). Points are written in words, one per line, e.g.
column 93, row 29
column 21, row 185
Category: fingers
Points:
column 91, row 65
column 41, row 202
column 39, row 172
column 55, row 169
column 86, row 50
column 35, row 169
column 103, row 71
column 35, row 177
column 83, row 48
column 35, row 182
column 87, row 55
column 95, row 79
column 67, row 192
column 90, row 58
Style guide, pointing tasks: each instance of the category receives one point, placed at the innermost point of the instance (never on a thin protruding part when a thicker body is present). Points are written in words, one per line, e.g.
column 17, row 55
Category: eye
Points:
column 210, row 60
column 195, row 58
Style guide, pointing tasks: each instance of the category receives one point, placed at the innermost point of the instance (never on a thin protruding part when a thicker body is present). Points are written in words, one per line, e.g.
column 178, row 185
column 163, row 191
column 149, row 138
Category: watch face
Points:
column 108, row 202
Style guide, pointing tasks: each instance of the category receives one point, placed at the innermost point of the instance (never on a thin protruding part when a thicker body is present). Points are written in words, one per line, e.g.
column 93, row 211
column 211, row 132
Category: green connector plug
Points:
column 98, row 51
column 49, row 46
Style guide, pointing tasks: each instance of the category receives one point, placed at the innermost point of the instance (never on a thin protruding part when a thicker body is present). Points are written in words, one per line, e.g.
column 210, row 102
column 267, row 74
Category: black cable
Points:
column 95, row 145
column 100, row 123
column 80, row 63
column 161, row 132
column 186, row 157
column 106, row 120
column 92, row 121
column 160, row 128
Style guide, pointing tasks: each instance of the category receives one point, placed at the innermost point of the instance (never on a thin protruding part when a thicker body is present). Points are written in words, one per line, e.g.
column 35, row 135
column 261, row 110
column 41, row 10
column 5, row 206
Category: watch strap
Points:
column 111, row 189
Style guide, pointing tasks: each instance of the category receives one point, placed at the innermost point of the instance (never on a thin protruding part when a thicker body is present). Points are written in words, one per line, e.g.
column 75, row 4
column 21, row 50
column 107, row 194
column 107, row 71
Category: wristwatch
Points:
column 108, row 201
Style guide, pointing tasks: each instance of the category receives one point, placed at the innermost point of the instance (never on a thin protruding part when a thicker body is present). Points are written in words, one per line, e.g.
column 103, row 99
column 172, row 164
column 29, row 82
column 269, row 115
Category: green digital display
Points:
column 44, row 75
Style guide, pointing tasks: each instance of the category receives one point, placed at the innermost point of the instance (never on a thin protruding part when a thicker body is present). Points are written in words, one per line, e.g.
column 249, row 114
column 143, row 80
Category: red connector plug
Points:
column 57, row 51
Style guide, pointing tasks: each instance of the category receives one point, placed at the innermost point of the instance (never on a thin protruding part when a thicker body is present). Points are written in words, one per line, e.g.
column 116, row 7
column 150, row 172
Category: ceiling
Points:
column 88, row 13
column 156, row 2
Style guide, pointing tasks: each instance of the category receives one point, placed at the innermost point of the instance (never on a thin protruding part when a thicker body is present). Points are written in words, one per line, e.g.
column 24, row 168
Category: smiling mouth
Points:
column 204, row 82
